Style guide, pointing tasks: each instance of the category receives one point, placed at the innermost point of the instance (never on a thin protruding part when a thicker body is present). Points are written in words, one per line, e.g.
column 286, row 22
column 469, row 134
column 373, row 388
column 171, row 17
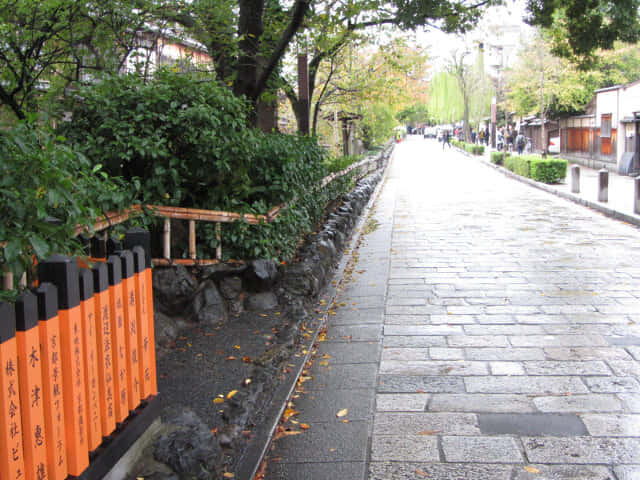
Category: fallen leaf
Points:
column 429, row 432
column 237, row 346
column 304, row 426
column 247, row 381
column 218, row 400
column 532, row 470
column 345, row 421
column 214, row 430
column 231, row 393
column 332, row 449
column 246, row 359
column 231, row 357
column 228, row 475
column 421, row 473
column 288, row 413
column 324, row 363
column 326, row 355
column 342, row 413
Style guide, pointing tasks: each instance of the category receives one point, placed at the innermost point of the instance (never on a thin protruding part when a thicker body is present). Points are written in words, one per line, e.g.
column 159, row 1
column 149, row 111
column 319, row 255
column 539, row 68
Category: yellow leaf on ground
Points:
column 228, row 475
column 421, row 473
column 324, row 363
column 326, row 355
column 218, row 400
column 532, row 470
column 231, row 393
column 304, row 426
column 342, row 412
column 428, row 432
column 288, row 413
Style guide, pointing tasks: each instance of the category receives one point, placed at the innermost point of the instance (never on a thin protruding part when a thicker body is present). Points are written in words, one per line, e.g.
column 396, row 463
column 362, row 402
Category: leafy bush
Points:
column 185, row 141
column 548, row 170
column 519, row 164
column 46, row 189
column 498, row 157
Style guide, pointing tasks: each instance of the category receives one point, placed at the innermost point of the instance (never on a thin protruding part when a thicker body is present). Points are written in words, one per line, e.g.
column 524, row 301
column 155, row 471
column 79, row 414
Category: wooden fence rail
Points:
column 77, row 357
column 193, row 215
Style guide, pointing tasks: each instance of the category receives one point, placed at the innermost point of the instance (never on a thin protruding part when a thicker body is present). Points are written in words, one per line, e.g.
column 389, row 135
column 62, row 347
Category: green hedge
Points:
column 498, row 157
column 471, row 148
column 547, row 170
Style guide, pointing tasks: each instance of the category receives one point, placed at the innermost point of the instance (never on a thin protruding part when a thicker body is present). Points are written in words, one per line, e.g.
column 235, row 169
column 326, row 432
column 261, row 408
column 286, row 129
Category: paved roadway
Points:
column 487, row 331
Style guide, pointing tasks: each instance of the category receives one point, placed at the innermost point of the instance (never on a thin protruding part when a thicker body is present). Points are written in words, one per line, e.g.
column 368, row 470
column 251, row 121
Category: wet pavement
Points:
column 485, row 330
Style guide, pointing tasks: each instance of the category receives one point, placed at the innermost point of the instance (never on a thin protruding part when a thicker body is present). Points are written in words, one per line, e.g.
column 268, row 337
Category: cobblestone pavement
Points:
column 488, row 331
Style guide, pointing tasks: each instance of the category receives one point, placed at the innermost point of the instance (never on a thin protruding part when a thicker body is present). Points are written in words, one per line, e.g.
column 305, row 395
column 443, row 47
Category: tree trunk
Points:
column 250, row 29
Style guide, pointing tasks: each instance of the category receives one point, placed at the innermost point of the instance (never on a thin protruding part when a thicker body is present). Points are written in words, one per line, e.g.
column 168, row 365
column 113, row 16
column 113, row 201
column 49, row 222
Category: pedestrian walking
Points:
column 445, row 139
column 520, row 143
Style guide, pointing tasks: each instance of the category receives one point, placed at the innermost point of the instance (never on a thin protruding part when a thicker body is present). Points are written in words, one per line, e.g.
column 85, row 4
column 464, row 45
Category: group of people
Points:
column 506, row 139
column 509, row 139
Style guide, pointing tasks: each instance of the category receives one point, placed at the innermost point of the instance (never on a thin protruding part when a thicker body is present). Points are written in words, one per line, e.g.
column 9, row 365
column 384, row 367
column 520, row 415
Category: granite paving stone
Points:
column 588, row 367
column 578, row 403
column 402, row 402
column 525, row 384
column 585, row 353
column 582, row 450
column 612, row 384
column 420, row 384
column 438, row 471
column 563, row 472
column 387, row 423
column 413, row 341
column 316, row 470
column 405, row 448
column 506, row 368
column 476, row 449
column 432, row 367
column 627, row 472
column 631, row 401
column 612, row 425
column 504, row 354
column 480, row 403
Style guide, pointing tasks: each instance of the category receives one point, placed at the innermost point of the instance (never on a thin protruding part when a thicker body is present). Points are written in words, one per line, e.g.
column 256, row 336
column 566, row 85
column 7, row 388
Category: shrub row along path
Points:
column 488, row 331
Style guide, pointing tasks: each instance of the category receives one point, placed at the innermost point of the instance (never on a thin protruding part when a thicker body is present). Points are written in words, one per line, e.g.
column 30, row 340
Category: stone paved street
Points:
column 487, row 331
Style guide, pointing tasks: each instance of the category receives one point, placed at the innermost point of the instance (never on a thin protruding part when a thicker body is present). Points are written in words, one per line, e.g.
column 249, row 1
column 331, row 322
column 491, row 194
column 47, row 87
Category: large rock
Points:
column 219, row 271
column 189, row 448
column 259, row 302
column 261, row 275
column 173, row 288
column 208, row 305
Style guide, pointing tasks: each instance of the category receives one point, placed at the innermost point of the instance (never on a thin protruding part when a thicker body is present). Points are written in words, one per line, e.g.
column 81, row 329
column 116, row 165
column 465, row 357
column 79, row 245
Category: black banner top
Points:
column 114, row 265
column 63, row 272
column 26, row 311
column 100, row 277
column 7, row 321
column 127, row 264
column 47, row 294
column 86, row 284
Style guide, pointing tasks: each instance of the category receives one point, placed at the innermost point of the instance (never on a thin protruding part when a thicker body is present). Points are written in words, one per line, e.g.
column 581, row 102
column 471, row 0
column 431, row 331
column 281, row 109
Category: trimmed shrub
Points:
column 519, row 164
column 548, row 170
column 498, row 157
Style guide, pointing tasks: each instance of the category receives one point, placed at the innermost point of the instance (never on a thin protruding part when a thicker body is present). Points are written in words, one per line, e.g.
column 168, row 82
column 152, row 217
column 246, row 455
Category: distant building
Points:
column 607, row 136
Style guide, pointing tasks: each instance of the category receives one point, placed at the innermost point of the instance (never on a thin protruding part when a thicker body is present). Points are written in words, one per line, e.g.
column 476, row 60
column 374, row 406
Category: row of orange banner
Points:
column 77, row 355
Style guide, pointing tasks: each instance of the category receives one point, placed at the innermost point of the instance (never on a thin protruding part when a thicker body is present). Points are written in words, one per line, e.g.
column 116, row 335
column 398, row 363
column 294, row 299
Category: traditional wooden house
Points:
column 607, row 135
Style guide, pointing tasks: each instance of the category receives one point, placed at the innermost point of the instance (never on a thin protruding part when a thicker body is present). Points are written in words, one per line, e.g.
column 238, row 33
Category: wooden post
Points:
column 92, row 389
column 119, row 349
column 192, row 239
column 105, row 348
column 130, row 329
column 49, row 326
column 34, row 432
column 63, row 273
column 167, row 239
column 219, row 241
column 11, row 454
